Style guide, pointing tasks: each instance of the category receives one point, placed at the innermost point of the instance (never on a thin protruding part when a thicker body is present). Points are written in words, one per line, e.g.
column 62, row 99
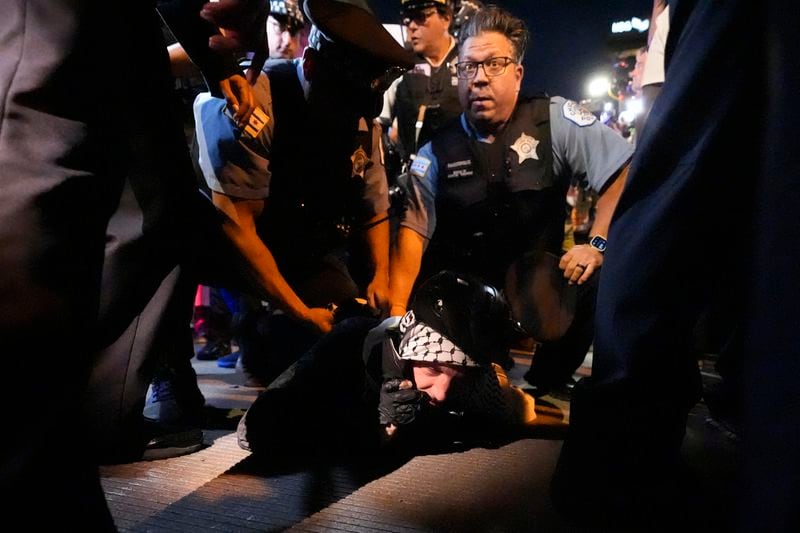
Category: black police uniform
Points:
column 323, row 183
column 484, row 205
column 65, row 153
column 434, row 87
column 703, row 167
column 490, row 208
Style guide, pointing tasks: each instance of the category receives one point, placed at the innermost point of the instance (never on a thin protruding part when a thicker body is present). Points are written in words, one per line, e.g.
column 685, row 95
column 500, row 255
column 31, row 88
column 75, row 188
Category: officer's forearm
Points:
column 377, row 237
column 607, row 202
column 239, row 227
column 404, row 268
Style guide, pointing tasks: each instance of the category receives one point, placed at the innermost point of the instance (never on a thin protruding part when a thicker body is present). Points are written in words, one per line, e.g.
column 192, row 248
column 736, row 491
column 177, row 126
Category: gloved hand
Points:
column 400, row 403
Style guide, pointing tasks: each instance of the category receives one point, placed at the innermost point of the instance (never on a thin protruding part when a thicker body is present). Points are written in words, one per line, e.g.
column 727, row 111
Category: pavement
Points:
column 224, row 488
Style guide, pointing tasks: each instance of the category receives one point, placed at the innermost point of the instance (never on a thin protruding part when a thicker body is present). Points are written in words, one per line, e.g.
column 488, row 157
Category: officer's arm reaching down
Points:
column 406, row 257
column 377, row 239
column 239, row 226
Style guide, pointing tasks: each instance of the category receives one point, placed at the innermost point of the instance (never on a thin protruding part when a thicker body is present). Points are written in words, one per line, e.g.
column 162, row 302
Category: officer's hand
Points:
column 239, row 96
column 580, row 262
column 245, row 24
column 400, row 403
column 378, row 295
column 321, row 318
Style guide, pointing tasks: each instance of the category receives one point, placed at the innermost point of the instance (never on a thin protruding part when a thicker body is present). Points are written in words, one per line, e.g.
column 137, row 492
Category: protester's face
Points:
column 426, row 28
column 283, row 43
column 489, row 101
column 436, row 380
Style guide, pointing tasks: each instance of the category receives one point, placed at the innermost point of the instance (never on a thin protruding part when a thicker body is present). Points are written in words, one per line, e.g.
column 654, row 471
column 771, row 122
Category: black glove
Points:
column 400, row 406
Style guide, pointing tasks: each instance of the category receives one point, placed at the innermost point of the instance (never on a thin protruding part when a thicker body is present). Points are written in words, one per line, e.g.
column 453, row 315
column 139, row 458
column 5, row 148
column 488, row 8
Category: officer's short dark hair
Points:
column 496, row 19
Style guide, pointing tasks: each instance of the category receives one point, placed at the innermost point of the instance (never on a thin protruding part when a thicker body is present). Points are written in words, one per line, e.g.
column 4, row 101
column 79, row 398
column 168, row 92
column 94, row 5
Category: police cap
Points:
column 352, row 22
column 289, row 9
column 413, row 5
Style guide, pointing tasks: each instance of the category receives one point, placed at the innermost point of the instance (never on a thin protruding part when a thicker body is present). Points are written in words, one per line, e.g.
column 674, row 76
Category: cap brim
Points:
column 540, row 298
column 353, row 25
column 420, row 5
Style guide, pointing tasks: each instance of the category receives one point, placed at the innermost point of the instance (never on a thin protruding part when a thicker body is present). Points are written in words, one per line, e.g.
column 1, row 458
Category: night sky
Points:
column 568, row 41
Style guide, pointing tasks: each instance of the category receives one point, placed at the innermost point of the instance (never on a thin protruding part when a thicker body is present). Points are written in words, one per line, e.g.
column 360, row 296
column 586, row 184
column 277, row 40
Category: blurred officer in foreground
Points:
column 491, row 186
column 627, row 470
column 65, row 152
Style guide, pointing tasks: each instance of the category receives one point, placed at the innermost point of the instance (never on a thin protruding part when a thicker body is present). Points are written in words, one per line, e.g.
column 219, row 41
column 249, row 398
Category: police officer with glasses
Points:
column 491, row 186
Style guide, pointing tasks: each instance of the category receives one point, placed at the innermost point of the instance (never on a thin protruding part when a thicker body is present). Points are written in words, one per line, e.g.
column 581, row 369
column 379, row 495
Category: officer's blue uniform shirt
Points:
column 583, row 149
column 237, row 166
column 232, row 164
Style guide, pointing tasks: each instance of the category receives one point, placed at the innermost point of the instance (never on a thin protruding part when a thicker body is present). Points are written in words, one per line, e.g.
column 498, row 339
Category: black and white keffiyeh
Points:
column 421, row 342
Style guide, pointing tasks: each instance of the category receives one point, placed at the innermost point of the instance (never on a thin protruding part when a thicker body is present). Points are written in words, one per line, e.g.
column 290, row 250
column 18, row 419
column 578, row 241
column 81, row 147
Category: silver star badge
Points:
column 525, row 147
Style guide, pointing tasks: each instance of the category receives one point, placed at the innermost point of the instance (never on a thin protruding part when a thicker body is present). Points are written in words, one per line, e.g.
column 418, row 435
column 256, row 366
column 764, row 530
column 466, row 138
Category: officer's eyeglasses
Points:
column 494, row 66
column 418, row 16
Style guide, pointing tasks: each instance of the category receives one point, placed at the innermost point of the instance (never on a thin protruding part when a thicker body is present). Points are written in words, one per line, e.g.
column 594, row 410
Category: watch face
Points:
column 598, row 242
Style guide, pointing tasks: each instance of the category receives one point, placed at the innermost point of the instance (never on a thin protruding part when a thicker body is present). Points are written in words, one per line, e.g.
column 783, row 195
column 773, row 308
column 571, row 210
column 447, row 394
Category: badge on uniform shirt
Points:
column 420, row 166
column 577, row 114
column 525, row 146
column 360, row 160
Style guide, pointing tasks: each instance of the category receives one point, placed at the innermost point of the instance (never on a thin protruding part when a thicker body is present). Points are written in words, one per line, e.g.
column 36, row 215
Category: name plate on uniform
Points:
column 460, row 169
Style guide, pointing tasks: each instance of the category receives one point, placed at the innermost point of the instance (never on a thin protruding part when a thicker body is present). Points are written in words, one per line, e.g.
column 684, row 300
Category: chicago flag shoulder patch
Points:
column 420, row 166
column 577, row 114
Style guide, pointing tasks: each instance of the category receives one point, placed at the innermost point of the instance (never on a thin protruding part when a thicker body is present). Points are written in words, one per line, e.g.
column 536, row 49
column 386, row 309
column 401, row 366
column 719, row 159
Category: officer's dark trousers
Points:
column 713, row 194
column 145, row 311
column 74, row 122
column 555, row 362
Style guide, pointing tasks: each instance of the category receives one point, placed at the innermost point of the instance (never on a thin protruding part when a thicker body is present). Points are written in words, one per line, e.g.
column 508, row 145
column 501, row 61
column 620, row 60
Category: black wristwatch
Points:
column 599, row 243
